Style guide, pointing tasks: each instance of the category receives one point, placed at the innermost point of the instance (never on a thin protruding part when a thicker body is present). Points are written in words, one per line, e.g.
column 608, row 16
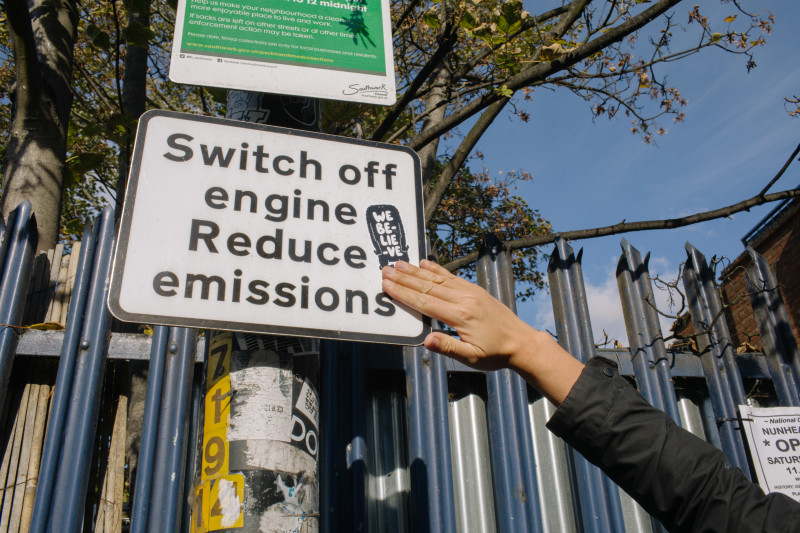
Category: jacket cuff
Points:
column 595, row 392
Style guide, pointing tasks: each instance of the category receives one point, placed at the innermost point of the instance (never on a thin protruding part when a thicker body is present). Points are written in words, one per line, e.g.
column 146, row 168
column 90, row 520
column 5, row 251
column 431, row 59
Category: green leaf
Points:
column 138, row 34
column 431, row 18
column 69, row 179
column 91, row 130
column 505, row 91
column 468, row 21
column 73, row 227
column 100, row 39
column 511, row 12
column 85, row 162
column 503, row 25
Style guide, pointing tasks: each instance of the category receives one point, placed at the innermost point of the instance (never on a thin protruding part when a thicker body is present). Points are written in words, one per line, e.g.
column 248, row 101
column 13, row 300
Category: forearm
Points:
column 545, row 365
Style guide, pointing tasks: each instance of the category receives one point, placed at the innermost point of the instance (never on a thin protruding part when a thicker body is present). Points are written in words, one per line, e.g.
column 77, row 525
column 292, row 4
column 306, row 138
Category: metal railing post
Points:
column 19, row 243
column 72, row 477
column 513, row 462
column 596, row 497
column 429, row 441
column 714, row 342
column 59, row 408
column 147, row 448
column 173, row 474
column 649, row 355
column 780, row 346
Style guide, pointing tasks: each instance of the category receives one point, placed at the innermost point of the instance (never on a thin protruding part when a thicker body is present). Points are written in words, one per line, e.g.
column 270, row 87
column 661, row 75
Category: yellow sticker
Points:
column 218, row 406
column 218, row 499
column 219, row 358
column 215, row 455
column 222, row 502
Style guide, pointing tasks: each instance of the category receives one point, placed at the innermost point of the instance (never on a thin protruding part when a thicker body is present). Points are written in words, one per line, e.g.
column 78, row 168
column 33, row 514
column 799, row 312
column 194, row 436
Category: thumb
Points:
column 449, row 346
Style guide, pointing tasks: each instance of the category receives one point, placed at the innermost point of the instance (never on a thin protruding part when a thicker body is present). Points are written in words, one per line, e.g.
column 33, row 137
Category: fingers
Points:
column 434, row 273
column 421, row 281
column 424, row 303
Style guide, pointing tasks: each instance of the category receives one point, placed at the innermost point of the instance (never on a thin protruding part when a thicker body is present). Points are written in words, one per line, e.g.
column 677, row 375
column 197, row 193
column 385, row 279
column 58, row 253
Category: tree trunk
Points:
column 134, row 96
column 439, row 94
column 43, row 34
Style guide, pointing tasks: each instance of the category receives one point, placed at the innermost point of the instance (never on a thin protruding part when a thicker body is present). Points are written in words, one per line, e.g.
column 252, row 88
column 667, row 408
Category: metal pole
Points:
column 429, row 441
column 356, row 452
column 772, row 318
column 271, row 457
column 72, row 478
column 22, row 237
column 147, row 448
column 179, row 428
column 649, row 355
column 596, row 496
column 331, row 448
column 513, row 462
column 157, row 516
column 59, row 407
column 722, row 375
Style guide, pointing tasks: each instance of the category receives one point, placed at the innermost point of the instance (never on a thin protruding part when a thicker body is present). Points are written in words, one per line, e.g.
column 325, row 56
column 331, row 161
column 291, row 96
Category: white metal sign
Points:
column 239, row 226
column 773, row 435
column 340, row 50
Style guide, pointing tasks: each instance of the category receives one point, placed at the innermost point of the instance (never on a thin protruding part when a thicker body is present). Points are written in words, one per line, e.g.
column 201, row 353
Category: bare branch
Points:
column 627, row 227
column 781, row 171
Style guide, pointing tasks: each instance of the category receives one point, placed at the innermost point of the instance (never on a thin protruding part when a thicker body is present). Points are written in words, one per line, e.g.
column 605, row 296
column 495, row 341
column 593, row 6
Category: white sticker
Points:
column 308, row 403
column 262, row 400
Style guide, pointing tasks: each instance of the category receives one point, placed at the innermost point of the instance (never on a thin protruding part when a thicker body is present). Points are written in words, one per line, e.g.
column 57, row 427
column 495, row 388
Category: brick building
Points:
column 777, row 238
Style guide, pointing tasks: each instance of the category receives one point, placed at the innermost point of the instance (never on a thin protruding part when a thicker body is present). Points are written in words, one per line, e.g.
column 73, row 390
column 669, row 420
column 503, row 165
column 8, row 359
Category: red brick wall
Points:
column 781, row 249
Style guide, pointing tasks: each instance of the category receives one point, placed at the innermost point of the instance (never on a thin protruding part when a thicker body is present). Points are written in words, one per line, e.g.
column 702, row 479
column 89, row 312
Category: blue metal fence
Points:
column 410, row 441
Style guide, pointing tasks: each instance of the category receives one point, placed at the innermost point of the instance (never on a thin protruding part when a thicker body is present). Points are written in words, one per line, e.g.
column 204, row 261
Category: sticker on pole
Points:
column 240, row 226
column 340, row 50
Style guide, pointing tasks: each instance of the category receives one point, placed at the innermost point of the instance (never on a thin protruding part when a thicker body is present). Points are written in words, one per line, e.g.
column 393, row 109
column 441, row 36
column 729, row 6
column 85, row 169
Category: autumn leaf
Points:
column 551, row 52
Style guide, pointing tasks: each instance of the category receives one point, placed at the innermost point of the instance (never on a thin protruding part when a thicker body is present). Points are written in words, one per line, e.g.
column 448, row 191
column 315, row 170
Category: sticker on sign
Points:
column 240, row 226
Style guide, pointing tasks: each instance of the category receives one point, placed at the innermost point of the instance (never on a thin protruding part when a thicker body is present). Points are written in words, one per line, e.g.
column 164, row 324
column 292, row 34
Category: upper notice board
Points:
column 337, row 50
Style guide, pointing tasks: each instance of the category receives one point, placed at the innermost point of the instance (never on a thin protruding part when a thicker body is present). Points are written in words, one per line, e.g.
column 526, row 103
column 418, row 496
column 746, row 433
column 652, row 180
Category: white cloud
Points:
column 605, row 309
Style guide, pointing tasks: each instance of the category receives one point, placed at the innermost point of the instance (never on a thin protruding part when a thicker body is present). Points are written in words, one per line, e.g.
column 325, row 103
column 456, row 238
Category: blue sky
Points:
column 736, row 136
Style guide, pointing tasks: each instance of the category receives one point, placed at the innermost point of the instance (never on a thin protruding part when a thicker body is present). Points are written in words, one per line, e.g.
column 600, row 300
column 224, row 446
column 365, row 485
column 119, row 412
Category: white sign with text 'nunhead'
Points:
column 232, row 225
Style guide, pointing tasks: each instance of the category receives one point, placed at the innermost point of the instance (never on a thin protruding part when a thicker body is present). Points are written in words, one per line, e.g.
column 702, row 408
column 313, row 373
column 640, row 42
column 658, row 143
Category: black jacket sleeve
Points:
column 675, row 476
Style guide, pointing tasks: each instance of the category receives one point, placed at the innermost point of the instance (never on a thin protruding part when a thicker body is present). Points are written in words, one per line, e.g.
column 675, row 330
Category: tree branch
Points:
column 434, row 195
column 540, row 71
column 627, row 227
column 781, row 171
column 26, row 64
column 449, row 38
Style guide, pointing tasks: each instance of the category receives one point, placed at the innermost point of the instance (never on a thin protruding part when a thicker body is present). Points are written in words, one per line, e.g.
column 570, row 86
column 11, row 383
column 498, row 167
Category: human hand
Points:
column 491, row 336
column 490, row 333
